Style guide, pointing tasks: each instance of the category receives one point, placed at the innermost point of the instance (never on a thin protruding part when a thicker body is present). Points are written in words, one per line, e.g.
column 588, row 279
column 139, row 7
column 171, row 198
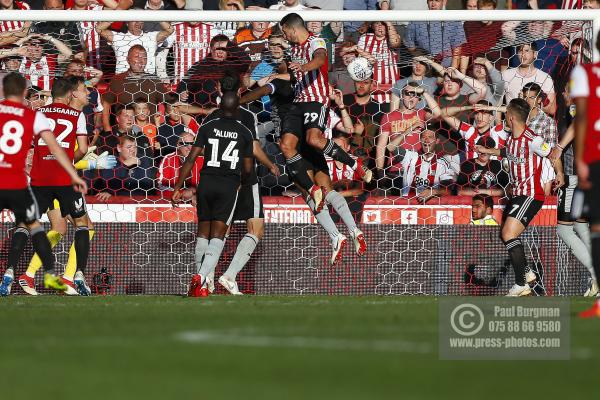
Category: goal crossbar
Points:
column 320, row 15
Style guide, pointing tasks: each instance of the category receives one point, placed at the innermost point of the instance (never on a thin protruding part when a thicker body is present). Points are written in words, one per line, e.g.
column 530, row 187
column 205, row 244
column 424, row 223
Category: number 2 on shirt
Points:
column 68, row 128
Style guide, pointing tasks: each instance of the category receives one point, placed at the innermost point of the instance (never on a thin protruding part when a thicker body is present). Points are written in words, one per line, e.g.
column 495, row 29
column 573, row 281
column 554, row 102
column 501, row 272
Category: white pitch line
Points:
column 302, row 342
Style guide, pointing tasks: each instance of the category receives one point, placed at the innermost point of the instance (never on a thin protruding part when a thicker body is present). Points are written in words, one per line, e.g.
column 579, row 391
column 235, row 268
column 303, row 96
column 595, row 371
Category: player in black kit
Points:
column 281, row 93
column 227, row 148
column 249, row 206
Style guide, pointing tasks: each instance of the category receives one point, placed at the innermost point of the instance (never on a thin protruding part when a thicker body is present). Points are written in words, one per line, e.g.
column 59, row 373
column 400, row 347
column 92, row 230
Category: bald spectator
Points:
column 135, row 35
column 169, row 169
column 442, row 40
column 132, row 84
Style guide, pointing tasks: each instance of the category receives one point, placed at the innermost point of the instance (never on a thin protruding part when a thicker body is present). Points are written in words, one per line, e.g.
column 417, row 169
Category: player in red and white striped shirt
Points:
column 380, row 44
column 307, row 118
column 9, row 26
column 524, row 152
column 191, row 44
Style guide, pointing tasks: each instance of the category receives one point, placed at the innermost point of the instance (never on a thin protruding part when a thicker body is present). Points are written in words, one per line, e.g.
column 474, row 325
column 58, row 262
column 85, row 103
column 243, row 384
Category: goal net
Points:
column 433, row 90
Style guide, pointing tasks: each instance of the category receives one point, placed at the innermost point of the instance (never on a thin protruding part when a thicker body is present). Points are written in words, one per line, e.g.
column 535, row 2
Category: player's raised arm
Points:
column 61, row 157
column 319, row 59
column 263, row 158
column 256, row 94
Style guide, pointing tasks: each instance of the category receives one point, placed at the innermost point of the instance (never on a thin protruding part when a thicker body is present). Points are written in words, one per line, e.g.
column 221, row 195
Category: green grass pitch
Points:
column 262, row 348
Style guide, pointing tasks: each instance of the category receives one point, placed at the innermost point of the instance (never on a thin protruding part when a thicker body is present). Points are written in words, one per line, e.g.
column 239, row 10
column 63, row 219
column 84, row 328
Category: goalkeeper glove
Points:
column 102, row 161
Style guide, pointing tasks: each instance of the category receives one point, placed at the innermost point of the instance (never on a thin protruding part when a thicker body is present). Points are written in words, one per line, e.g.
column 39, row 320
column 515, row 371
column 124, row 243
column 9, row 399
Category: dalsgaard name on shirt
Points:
column 67, row 111
column 11, row 110
column 225, row 134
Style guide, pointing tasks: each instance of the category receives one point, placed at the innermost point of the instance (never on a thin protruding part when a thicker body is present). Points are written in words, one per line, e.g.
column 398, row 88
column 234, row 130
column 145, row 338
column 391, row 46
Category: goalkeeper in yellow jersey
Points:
column 482, row 210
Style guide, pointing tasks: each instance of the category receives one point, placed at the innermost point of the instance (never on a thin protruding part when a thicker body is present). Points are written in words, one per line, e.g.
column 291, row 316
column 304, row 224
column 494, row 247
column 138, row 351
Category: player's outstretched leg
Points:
column 58, row 228
column 339, row 204
column 41, row 245
column 18, row 243
column 338, row 241
column 580, row 251
column 71, row 267
column 242, row 255
column 511, row 231
column 594, row 311
column 27, row 280
column 82, row 250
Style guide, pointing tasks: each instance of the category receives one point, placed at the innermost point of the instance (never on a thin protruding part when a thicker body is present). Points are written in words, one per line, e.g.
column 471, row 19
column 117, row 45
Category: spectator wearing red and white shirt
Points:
column 407, row 121
column 483, row 125
column 425, row 172
column 168, row 171
column 12, row 31
column 39, row 68
column 190, row 42
column 380, row 44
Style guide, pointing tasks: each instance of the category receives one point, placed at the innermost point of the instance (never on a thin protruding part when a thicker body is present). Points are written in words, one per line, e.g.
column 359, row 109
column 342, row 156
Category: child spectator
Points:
column 143, row 123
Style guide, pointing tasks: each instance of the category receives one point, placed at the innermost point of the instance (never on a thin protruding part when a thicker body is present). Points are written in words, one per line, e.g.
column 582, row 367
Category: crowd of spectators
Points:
column 437, row 89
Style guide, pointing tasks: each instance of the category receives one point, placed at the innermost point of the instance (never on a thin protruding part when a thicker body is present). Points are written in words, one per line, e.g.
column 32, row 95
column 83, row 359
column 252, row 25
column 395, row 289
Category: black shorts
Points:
column 315, row 158
column 71, row 202
column 523, row 208
column 304, row 116
column 249, row 204
column 216, row 198
column 22, row 202
column 592, row 196
column 565, row 198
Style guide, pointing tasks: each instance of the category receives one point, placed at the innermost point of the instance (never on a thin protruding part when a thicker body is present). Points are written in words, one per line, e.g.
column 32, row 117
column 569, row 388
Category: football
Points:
column 360, row 69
